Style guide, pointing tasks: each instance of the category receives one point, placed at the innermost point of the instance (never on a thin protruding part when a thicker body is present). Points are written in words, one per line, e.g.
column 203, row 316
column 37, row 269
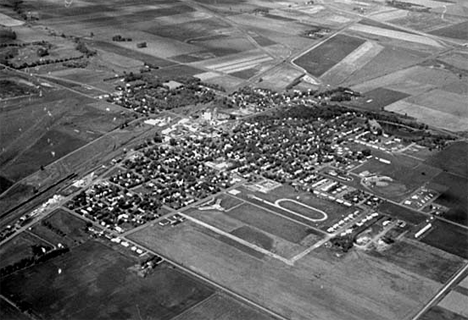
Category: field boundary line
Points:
column 442, row 291
column 310, row 249
column 196, row 305
column 242, row 241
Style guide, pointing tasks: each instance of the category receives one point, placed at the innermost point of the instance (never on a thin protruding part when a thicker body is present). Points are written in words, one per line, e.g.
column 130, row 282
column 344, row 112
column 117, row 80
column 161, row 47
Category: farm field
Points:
column 448, row 237
column 321, row 59
column 455, row 302
column 439, row 313
column 439, row 119
column 40, row 130
column 456, row 31
column 7, row 311
column 303, row 294
column 107, row 289
column 220, row 307
column 390, row 62
column 377, row 99
column 428, row 262
column 397, row 35
column 449, row 159
column 453, row 196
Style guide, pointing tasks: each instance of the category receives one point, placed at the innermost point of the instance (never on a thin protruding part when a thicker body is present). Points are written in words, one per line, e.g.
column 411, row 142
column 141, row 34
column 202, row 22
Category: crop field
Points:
column 425, row 261
column 448, row 237
column 279, row 79
column 430, row 116
column 453, row 195
column 245, row 74
column 385, row 63
column 130, row 53
column 105, row 286
column 73, row 228
column 399, row 212
column 455, row 302
column 223, row 43
column 236, row 63
column 457, row 31
column 176, row 71
column 377, row 99
column 40, row 130
column 307, row 288
column 354, row 61
column 424, row 21
column 8, row 312
column 393, row 34
column 190, row 30
column 439, row 313
column 220, row 307
column 449, row 159
column 322, row 58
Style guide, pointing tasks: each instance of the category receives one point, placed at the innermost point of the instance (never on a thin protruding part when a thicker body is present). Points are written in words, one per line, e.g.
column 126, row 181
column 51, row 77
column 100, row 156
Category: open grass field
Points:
column 426, row 261
column 259, row 235
column 439, row 313
column 266, row 221
column 329, row 53
column 73, row 228
column 94, row 283
column 453, row 195
column 254, row 236
column 220, row 307
column 305, row 290
column 448, row 237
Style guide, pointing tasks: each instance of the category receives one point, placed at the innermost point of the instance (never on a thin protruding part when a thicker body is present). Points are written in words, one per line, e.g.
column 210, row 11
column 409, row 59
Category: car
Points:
column 164, row 222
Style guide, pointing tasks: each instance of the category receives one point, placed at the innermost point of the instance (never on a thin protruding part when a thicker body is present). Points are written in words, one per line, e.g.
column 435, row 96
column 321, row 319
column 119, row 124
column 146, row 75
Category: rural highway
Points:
column 441, row 292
